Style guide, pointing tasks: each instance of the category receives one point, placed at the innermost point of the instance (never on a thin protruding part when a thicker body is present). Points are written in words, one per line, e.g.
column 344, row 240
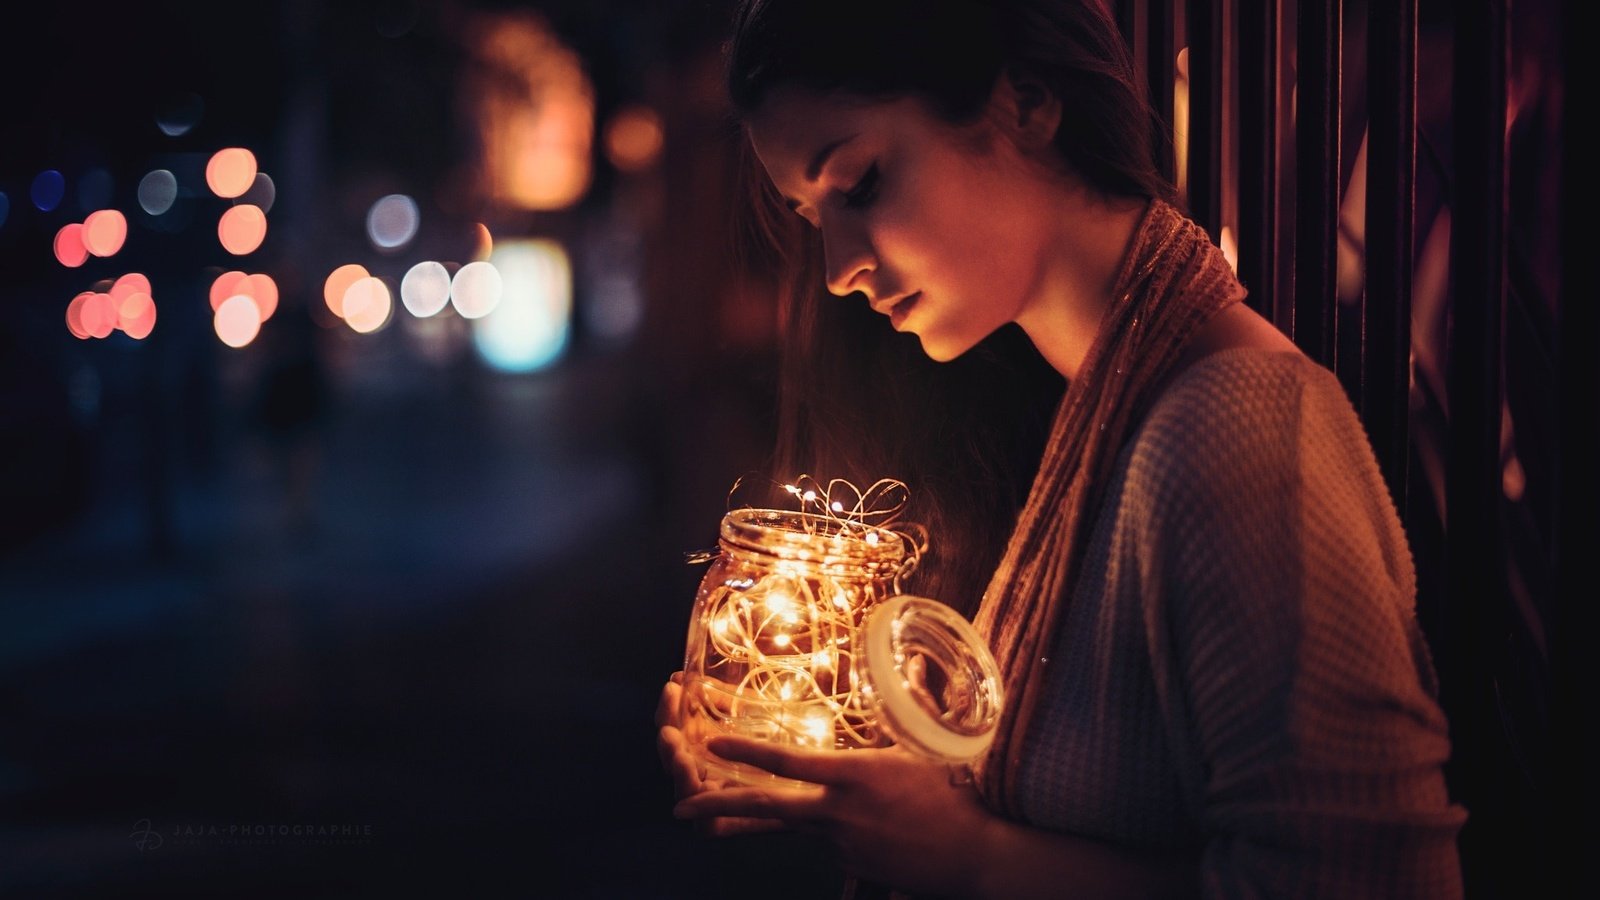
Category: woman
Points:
column 1215, row 681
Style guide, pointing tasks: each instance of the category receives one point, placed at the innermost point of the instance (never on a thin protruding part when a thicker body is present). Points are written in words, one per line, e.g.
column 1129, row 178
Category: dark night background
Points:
column 363, row 581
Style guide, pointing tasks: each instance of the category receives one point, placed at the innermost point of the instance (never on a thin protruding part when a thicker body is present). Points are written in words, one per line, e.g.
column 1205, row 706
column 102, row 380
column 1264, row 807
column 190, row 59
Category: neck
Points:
column 1076, row 278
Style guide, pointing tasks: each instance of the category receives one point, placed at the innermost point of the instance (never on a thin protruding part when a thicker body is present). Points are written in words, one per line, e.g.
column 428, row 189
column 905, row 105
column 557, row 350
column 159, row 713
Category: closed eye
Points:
column 863, row 191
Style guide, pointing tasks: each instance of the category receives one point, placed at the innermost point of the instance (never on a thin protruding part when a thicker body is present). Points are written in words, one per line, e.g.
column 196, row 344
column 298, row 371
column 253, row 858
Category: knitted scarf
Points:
column 1172, row 280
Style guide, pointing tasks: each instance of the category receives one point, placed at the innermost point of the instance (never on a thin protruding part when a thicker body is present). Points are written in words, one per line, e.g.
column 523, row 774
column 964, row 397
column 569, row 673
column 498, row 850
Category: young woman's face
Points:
column 943, row 231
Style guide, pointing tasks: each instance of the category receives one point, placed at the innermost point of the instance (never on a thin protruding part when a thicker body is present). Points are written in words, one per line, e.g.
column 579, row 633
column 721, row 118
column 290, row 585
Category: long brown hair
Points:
column 858, row 400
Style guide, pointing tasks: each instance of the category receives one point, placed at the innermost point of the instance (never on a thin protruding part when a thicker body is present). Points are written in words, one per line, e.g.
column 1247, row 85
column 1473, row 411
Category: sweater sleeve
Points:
column 1279, row 603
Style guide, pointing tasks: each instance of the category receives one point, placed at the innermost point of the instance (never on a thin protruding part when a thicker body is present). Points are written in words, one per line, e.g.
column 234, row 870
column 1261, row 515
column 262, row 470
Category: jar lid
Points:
column 937, row 686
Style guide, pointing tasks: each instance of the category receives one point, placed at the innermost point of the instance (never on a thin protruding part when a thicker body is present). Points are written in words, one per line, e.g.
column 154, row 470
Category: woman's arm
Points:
column 901, row 820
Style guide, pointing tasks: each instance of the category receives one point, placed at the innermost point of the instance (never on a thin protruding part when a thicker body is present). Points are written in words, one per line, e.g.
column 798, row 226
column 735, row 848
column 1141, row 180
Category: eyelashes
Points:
column 864, row 191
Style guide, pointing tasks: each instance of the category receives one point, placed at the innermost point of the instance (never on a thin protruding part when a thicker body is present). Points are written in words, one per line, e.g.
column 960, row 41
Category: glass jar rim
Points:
column 793, row 535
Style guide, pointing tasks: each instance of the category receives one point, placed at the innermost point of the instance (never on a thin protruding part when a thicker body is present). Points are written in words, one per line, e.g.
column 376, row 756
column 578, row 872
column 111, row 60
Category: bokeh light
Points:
column 392, row 221
column 104, row 231
column 158, row 190
column 99, row 316
column 425, row 289
column 338, row 282
column 264, row 291
column 225, row 286
column 367, row 305
column 237, row 321
column 482, row 242
column 476, row 289
column 231, row 172
column 528, row 329
column 48, row 188
column 94, row 189
column 633, row 138
column 69, row 248
column 136, row 315
column 75, row 315
column 179, row 114
column 242, row 229
column 263, row 192
column 128, row 285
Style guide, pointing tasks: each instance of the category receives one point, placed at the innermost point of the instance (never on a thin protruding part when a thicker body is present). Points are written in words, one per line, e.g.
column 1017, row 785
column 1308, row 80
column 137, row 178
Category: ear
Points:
column 1027, row 108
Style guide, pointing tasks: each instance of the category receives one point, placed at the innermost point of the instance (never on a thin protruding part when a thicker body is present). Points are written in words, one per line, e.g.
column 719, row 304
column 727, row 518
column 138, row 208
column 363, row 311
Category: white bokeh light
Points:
column 392, row 221
column 476, row 289
column 528, row 330
column 158, row 190
column 425, row 289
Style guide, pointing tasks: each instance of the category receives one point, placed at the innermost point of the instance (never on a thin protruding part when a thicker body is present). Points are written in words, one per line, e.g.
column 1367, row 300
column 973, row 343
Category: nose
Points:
column 848, row 258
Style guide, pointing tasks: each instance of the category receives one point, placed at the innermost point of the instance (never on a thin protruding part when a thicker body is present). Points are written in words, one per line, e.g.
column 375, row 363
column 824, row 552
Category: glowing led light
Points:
column 818, row 727
column 809, row 496
column 225, row 286
column 338, row 282
column 263, row 192
column 872, row 537
column 158, row 190
column 242, row 229
column 822, row 659
column 425, row 289
column 47, row 190
column 69, row 248
column 837, row 506
column 367, row 305
column 230, row 172
column 104, row 231
column 476, row 289
column 136, row 315
column 179, row 114
column 392, row 221
column 780, row 604
column 75, row 315
column 99, row 315
column 634, row 138
column 785, row 690
column 237, row 321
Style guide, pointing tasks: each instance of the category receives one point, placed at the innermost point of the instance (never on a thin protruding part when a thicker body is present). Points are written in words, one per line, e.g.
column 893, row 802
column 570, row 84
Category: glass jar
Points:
column 799, row 635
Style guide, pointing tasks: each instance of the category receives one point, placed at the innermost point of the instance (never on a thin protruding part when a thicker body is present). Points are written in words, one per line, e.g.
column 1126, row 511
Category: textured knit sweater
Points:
column 1240, row 672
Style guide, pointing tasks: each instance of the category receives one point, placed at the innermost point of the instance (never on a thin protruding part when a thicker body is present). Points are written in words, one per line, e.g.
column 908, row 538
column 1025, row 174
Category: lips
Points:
column 898, row 306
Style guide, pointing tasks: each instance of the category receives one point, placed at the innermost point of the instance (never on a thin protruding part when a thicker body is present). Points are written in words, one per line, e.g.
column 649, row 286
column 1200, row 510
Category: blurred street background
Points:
column 366, row 373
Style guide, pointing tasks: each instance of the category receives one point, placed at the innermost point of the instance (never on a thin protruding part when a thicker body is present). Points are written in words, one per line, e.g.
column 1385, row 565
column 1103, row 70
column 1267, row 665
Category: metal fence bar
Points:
column 1205, row 40
column 1316, row 178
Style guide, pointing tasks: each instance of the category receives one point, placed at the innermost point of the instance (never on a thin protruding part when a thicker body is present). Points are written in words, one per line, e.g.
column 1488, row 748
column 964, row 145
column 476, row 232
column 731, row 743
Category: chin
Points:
column 942, row 351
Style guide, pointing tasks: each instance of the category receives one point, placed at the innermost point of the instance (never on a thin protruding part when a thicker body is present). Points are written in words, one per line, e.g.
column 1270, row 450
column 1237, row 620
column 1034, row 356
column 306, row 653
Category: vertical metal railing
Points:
column 1259, row 195
column 1318, row 42
column 1204, row 36
column 1391, row 170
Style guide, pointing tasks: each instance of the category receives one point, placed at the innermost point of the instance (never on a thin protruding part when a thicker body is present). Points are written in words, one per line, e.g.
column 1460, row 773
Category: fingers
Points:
column 799, row 764
column 785, row 804
column 676, row 758
column 668, row 704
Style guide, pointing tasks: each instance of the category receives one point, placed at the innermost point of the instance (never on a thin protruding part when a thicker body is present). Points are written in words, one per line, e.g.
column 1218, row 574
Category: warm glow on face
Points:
column 69, row 248
column 237, row 321
column 338, row 282
column 104, row 231
column 242, row 229
column 231, row 172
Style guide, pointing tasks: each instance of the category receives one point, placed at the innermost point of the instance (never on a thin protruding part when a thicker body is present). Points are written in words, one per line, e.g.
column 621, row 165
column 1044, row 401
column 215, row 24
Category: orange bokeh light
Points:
column 226, row 285
column 242, row 229
column 136, row 315
column 104, row 232
column 238, row 321
column 367, row 305
column 482, row 243
column 634, row 138
column 75, row 315
column 264, row 291
column 99, row 315
column 70, row 251
column 129, row 284
column 231, row 172
column 339, row 281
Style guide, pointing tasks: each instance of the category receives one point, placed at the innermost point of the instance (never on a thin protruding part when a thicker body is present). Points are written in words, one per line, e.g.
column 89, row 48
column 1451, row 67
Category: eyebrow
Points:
column 814, row 168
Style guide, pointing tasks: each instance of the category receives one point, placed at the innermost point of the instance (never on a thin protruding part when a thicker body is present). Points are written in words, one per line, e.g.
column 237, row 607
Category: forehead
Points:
column 793, row 124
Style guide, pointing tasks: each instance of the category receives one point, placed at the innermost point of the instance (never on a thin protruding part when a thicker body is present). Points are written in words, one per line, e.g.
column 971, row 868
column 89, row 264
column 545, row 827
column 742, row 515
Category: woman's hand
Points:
column 687, row 772
column 894, row 817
